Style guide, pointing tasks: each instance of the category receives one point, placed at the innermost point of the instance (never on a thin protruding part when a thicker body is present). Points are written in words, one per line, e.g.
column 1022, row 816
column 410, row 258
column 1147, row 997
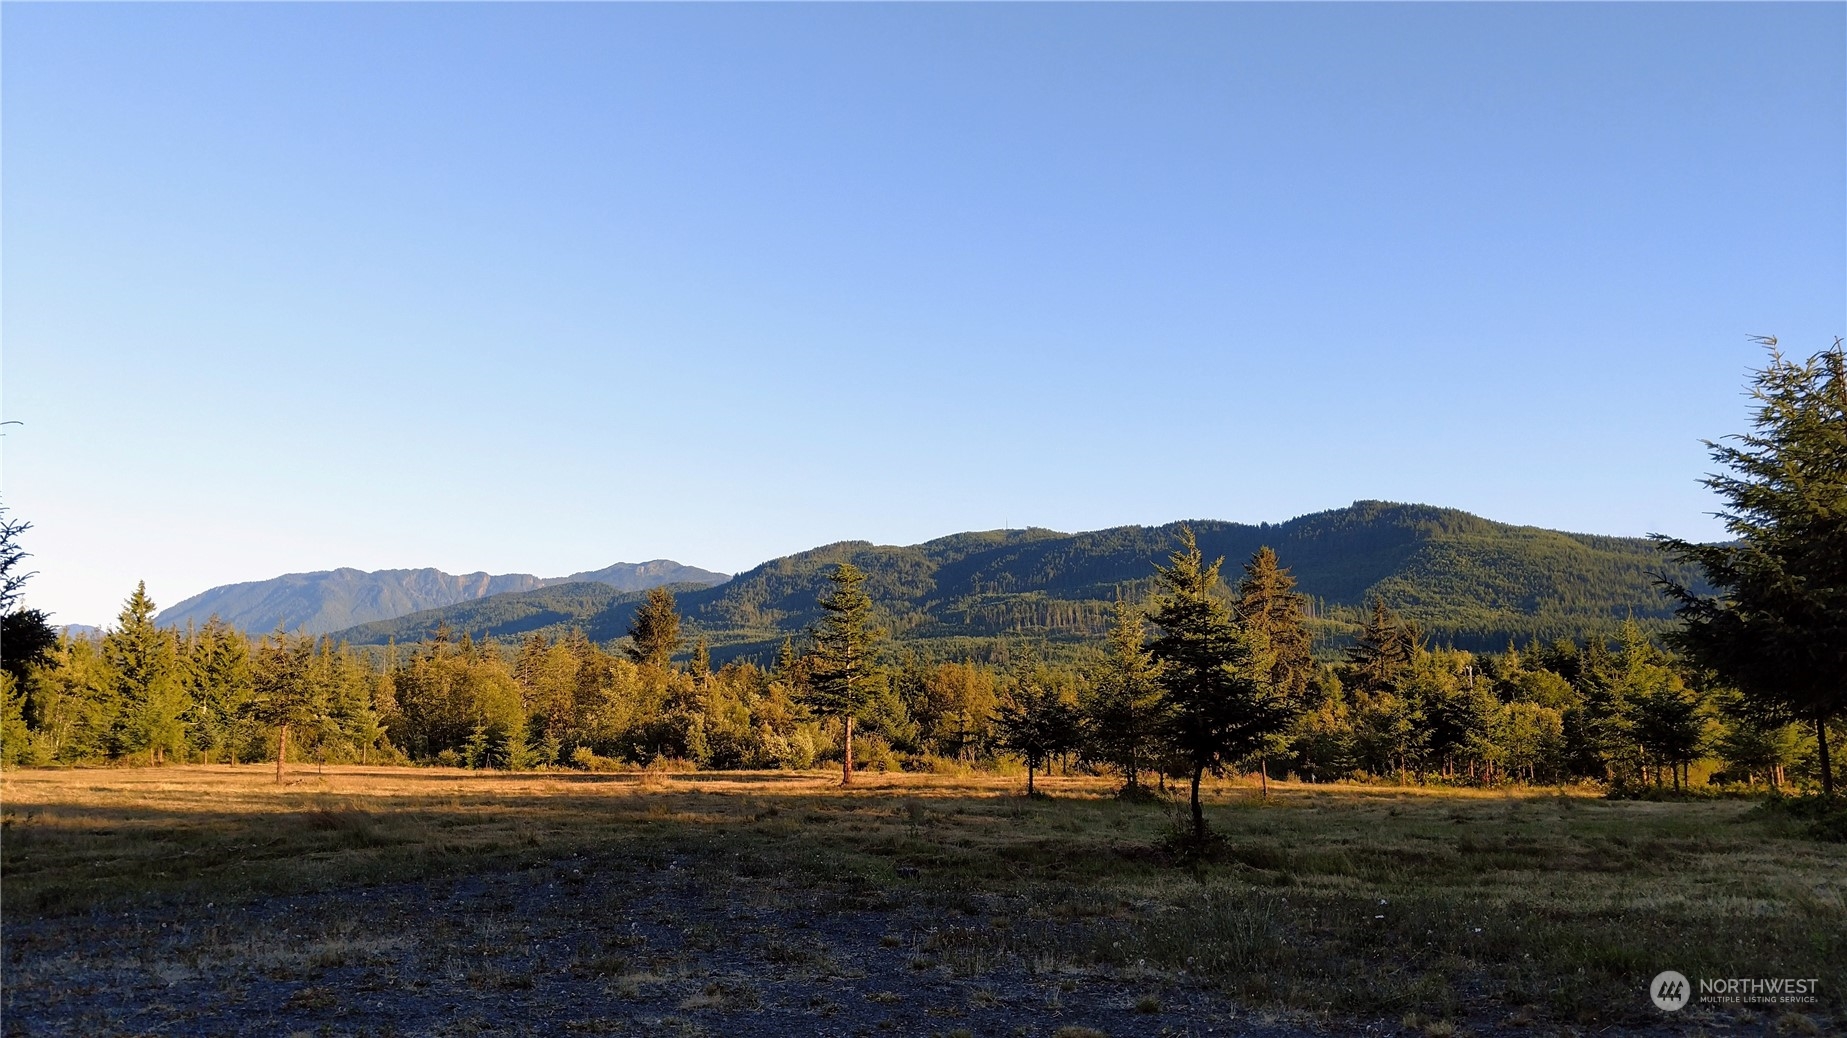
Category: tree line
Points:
column 1202, row 678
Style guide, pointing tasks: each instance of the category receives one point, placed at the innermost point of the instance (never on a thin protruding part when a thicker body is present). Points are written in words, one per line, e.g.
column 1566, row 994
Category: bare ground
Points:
column 366, row 904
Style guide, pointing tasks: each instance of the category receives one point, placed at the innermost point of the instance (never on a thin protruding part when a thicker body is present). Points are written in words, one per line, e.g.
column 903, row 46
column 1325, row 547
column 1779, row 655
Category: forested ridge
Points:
column 1465, row 580
column 575, row 694
column 1391, row 705
column 598, row 611
column 329, row 600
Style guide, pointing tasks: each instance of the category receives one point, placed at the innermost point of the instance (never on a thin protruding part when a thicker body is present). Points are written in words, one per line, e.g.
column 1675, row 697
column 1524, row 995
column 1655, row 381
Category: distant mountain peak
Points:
column 1468, row 580
column 323, row 601
column 639, row 576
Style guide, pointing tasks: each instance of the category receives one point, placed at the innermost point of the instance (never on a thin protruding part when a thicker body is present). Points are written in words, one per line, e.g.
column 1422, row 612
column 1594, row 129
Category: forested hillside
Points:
column 1465, row 579
column 329, row 600
column 600, row 611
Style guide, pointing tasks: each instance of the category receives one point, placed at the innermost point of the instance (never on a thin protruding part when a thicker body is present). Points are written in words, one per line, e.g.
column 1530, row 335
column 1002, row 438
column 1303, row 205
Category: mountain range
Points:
column 1466, row 580
column 331, row 600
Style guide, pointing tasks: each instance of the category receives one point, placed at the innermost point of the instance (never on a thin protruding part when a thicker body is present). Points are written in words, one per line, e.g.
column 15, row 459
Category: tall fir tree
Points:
column 1126, row 718
column 1777, row 629
column 144, row 660
column 1270, row 614
column 1221, row 712
column 841, row 668
column 701, row 667
column 1383, row 652
column 220, row 683
column 1269, row 609
column 284, row 695
column 654, row 634
column 787, row 662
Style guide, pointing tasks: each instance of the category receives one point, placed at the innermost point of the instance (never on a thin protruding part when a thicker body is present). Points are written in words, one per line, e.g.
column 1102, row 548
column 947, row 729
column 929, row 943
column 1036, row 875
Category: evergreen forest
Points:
column 1392, row 704
column 1466, row 581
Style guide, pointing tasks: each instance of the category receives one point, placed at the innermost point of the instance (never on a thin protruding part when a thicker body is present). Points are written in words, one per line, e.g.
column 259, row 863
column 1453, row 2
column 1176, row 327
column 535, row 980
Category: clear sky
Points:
column 537, row 288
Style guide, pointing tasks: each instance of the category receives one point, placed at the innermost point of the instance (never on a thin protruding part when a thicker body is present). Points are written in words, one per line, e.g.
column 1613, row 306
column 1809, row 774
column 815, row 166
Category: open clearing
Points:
column 383, row 901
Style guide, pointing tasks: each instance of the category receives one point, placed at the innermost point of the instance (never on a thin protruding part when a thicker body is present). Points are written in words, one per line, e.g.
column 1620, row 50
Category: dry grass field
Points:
column 425, row 901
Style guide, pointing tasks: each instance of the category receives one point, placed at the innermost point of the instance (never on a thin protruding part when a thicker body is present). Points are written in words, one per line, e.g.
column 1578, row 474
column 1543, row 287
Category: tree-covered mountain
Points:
column 1465, row 579
column 600, row 611
column 331, row 600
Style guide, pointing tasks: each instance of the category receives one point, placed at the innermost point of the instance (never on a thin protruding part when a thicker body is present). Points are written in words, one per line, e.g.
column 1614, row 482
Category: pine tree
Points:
column 909, row 685
column 787, row 662
column 1753, row 745
column 145, row 661
column 284, row 695
column 840, row 678
column 476, row 752
column 1669, row 726
column 1221, row 712
column 220, row 684
column 1389, row 734
column 12, row 553
column 1126, row 718
column 1777, row 630
column 26, row 636
column 350, row 723
column 16, row 743
column 1661, row 722
column 547, row 677
column 74, row 702
column 1269, row 609
column 1269, row 613
column 1037, row 723
column 655, row 632
column 1384, row 650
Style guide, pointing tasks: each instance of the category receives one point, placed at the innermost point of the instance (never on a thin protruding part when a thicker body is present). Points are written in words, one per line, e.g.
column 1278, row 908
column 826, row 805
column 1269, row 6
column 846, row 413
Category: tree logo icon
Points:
column 1669, row 990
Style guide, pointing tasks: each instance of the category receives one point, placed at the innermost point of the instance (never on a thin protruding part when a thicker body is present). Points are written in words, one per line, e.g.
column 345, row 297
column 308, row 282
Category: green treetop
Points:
column 1384, row 650
column 655, row 631
column 1270, row 611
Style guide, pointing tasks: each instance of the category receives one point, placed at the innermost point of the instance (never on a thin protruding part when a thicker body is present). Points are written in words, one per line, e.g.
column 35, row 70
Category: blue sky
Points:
column 542, row 287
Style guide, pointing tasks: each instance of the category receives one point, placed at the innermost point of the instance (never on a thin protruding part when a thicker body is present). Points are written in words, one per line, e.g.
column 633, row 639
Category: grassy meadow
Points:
column 1438, row 911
